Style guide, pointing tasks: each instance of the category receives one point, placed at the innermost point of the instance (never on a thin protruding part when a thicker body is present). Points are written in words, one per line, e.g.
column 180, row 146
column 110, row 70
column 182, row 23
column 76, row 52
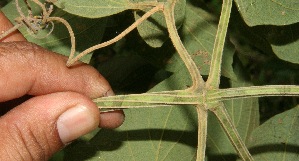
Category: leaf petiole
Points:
column 198, row 82
column 231, row 131
column 253, row 91
column 216, row 60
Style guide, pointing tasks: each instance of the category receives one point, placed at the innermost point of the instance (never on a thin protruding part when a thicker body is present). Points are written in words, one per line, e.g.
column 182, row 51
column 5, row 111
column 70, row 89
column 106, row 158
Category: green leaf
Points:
column 277, row 138
column 94, row 8
column 245, row 116
column 269, row 12
column 88, row 32
column 198, row 35
column 280, row 40
column 284, row 41
column 154, row 31
column 147, row 134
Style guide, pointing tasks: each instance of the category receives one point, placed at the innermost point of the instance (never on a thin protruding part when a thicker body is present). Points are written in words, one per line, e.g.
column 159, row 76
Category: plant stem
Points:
column 145, row 4
column 253, row 91
column 231, row 132
column 147, row 99
column 28, row 8
column 11, row 30
column 202, row 119
column 216, row 60
column 198, row 82
column 23, row 18
column 70, row 30
column 118, row 37
column 42, row 6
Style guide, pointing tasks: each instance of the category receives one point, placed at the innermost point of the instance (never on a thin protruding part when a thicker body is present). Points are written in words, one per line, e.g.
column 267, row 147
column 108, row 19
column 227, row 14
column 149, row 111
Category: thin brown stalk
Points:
column 42, row 6
column 11, row 30
column 71, row 32
column 71, row 60
column 23, row 18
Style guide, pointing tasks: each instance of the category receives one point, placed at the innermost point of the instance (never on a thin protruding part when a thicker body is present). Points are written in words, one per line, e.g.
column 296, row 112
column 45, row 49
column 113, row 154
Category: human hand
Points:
column 59, row 108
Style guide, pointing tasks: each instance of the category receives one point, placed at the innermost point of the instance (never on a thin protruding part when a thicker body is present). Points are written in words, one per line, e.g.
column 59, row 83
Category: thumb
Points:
column 41, row 126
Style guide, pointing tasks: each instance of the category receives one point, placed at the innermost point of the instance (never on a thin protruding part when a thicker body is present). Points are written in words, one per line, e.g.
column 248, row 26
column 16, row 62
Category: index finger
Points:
column 29, row 69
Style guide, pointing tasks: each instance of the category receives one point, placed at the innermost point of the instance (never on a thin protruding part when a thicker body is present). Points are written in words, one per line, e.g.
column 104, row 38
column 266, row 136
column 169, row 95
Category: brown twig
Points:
column 71, row 61
column 11, row 30
column 71, row 32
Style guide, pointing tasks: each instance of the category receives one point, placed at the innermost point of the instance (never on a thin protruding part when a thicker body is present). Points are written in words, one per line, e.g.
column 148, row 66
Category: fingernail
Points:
column 75, row 122
column 110, row 93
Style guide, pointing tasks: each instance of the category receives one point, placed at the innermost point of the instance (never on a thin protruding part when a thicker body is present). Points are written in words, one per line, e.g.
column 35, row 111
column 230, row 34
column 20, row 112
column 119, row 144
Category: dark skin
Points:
column 37, row 89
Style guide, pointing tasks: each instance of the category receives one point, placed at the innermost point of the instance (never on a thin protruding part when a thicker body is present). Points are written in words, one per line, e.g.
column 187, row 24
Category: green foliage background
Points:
column 261, row 48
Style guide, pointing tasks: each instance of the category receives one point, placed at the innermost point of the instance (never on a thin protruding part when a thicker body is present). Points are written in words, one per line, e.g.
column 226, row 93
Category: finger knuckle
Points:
column 26, row 143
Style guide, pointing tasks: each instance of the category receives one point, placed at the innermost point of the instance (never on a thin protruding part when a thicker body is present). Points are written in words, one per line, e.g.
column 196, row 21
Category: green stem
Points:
column 202, row 119
column 231, row 132
column 253, row 91
column 216, row 60
column 147, row 99
column 198, row 82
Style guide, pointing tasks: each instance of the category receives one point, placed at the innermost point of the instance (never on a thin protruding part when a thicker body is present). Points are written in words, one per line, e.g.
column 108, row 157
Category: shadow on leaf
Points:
column 111, row 140
column 270, row 148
